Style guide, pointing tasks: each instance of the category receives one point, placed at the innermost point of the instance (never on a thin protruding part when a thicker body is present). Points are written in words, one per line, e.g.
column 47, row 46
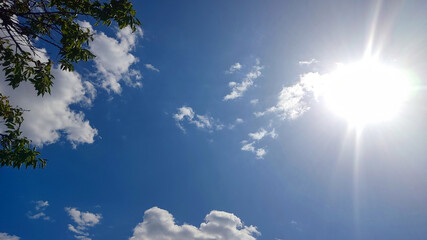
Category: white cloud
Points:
column 50, row 116
column 159, row 224
column 84, row 220
column 237, row 89
column 254, row 101
column 114, row 58
column 233, row 68
column 39, row 208
column 308, row 62
column 151, row 67
column 5, row 236
column 294, row 100
column 201, row 121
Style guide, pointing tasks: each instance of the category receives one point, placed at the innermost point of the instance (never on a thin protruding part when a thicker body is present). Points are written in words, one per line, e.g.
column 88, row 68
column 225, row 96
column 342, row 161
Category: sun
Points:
column 366, row 91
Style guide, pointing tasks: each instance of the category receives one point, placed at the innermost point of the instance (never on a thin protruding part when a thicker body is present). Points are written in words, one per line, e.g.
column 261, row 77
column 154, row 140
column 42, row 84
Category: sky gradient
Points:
column 207, row 115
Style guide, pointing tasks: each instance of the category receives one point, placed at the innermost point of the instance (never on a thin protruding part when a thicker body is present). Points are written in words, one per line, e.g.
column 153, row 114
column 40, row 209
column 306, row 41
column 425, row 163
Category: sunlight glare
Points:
column 366, row 91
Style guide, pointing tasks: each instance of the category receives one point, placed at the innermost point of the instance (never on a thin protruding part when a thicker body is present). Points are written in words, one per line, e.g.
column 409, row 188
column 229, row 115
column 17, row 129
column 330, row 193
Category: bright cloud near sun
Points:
column 363, row 92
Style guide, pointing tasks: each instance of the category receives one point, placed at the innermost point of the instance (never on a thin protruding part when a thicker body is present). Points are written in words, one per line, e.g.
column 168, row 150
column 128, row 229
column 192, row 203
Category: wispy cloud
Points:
column 302, row 63
column 160, row 224
column 84, row 220
column 236, row 122
column 254, row 101
column 39, row 211
column 235, row 67
column 237, row 89
column 201, row 121
column 296, row 225
column 151, row 67
column 261, row 133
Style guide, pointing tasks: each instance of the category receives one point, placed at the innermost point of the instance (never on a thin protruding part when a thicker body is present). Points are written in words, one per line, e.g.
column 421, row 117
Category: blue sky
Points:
column 146, row 133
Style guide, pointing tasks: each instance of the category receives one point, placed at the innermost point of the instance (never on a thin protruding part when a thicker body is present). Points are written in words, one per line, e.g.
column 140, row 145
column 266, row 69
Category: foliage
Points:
column 56, row 22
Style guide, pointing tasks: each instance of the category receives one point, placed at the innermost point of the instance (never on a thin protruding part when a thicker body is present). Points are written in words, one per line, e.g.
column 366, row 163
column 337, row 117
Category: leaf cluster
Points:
column 16, row 150
column 56, row 22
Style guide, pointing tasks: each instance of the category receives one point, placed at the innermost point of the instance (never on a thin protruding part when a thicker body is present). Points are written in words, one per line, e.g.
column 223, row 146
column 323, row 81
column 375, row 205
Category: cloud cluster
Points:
column 114, row 58
column 39, row 211
column 5, row 236
column 237, row 89
column 159, row 224
column 294, row 100
column 84, row 220
column 249, row 145
column 201, row 121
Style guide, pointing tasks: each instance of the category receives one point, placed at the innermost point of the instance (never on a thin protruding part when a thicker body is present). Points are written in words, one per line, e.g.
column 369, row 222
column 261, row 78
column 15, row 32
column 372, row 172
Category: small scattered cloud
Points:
column 236, row 122
column 261, row 133
column 83, row 221
column 41, row 205
column 235, row 67
column 256, row 137
column 296, row 225
column 306, row 63
column 160, row 224
column 151, row 67
column 254, row 101
column 201, row 121
column 249, row 146
column 39, row 210
column 5, row 236
column 237, row 89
